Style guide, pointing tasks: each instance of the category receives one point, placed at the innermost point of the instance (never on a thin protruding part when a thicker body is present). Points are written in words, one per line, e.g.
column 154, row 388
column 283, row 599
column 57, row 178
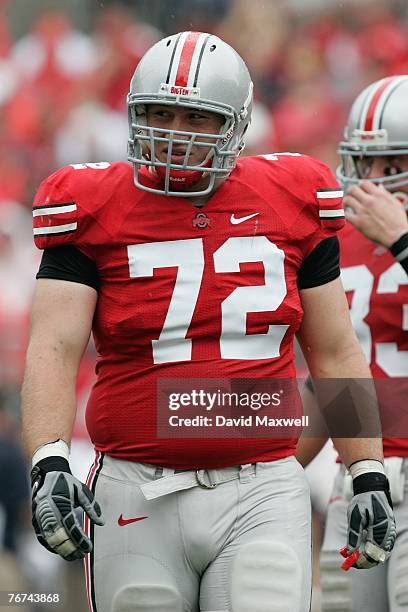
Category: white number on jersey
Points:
column 92, row 166
column 389, row 358
column 360, row 280
column 276, row 156
column 188, row 257
column 234, row 341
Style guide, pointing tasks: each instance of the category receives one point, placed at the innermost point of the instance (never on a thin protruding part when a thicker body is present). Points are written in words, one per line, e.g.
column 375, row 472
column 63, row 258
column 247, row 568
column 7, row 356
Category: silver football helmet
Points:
column 377, row 126
column 198, row 71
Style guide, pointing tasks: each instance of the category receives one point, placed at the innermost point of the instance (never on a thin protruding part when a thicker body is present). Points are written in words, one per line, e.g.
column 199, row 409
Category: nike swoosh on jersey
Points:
column 235, row 221
column 122, row 521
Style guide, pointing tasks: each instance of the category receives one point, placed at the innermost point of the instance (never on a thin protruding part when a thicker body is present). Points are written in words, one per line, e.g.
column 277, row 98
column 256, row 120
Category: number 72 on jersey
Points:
column 188, row 256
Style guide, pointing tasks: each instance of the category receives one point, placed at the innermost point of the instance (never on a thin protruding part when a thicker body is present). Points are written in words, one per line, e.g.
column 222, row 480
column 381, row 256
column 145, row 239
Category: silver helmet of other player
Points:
column 197, row 71
column 377, row 127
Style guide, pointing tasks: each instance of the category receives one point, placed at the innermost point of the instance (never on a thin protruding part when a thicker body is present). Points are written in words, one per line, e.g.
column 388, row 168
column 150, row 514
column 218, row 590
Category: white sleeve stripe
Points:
column 55, row 229
column 196, row 59
column 329, row 214
column 177, row 56
column 52, row 210
column 326, row 195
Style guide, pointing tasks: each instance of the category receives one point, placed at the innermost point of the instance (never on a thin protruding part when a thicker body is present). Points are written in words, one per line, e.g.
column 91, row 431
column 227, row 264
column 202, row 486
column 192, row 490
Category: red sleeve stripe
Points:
column 184, row 66
column 374, row 105
column 329, row 194
column 55, row 229
column 187, row 59
column 57, row 209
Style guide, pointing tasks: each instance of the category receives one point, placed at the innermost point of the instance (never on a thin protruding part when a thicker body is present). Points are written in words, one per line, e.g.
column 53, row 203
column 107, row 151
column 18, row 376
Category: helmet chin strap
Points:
column 182, row 179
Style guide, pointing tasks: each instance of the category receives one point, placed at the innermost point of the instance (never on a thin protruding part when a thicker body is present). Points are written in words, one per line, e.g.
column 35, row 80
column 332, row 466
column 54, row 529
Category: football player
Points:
column 374, row 269
column 186, row 263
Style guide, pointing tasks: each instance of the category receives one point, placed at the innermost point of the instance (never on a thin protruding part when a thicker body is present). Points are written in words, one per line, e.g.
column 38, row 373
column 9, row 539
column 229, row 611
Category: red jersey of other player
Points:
column 377, row 290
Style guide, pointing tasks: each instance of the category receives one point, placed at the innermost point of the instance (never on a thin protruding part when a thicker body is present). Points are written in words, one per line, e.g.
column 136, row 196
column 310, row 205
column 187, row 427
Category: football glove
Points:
column 58, row 502
column 371, row 523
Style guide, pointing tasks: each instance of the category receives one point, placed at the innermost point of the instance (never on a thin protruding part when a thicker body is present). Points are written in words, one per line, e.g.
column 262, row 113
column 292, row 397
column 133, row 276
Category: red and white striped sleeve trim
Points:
column 55, row 219
column 331, row 212
column 330, row 204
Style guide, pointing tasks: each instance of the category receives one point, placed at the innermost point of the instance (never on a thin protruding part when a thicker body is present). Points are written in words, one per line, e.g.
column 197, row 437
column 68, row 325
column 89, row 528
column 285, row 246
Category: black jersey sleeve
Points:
column 68, row 263
column 321, row 266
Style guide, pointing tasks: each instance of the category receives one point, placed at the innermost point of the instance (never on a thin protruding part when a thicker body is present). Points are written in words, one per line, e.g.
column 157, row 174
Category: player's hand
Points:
column 375, row 212
column 371, row 523
column 58, row 502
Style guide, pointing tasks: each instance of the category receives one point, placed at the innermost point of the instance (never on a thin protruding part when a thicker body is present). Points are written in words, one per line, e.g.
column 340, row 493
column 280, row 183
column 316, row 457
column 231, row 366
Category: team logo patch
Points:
column 201, row 221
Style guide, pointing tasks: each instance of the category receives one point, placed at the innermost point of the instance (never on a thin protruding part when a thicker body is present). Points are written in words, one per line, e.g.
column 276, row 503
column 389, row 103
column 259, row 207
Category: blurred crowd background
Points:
column 64, row 73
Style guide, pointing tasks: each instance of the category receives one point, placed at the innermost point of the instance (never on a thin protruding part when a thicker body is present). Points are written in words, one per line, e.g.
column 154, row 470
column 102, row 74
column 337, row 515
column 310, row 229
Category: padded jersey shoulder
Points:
column 81, row 203
column 308, row 180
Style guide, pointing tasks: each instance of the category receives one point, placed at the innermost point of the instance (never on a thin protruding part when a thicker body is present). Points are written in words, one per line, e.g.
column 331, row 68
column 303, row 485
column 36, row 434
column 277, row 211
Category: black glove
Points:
column 371, row 523
column 58, row 502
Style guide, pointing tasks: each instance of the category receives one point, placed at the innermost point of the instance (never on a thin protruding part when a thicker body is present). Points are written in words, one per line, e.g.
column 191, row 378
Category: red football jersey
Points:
column 188, row 292
column 377, row 291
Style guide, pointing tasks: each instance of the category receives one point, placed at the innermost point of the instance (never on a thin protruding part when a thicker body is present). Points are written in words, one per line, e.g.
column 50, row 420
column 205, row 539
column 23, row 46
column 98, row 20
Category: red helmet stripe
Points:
column 185, row 58
column 369, row 119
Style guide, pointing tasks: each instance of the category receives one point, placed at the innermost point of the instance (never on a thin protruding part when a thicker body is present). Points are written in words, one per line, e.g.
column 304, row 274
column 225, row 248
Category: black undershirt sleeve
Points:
column 321, row 266
column 400, row 251
column 70, row 264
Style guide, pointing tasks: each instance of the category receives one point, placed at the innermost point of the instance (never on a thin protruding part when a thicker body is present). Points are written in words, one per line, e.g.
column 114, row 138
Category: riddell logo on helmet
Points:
column 228, row 135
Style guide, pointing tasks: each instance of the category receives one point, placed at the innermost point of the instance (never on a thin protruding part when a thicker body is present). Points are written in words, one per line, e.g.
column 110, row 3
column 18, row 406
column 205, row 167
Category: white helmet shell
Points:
column 377, row 126
column 194, row 70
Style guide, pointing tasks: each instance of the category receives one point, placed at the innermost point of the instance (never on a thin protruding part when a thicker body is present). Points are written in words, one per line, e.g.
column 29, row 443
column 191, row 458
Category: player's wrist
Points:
column 50, row 457
column 41, row 469
column 399, row 248
column 372, row 481
column 369, row 475
column 53, row 464
column 56, row 448
column 366, row 466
